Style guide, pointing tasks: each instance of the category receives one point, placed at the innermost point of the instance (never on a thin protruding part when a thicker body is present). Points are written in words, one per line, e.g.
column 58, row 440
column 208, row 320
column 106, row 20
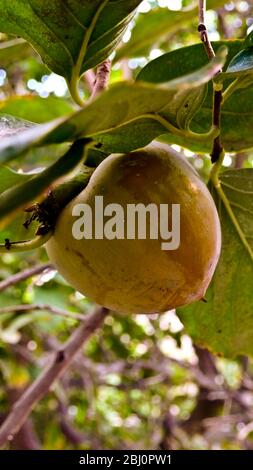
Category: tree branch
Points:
column 217, row 150
column 239, row 160
column 89, row 78
column 61, row 359
column 102, row 78
column 23, row 275
column 203, row 31
column 49, row 308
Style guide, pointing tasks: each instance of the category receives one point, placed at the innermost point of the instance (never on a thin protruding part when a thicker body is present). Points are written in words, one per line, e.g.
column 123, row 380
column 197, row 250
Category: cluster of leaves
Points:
column 124, row 395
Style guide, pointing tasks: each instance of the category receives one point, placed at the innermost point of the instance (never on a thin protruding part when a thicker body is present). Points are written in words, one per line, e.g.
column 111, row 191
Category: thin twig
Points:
column 89, row 79
column 23, row 275
column 217, row 150
column 102, row 78
column 49, row 308
column 203, row 31
column 61, row 359
column 239, row 160
column 223, row 27
column 73, row 435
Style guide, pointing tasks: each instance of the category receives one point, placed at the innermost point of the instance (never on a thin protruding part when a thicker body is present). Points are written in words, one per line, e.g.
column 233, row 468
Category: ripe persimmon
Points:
column 137, row 275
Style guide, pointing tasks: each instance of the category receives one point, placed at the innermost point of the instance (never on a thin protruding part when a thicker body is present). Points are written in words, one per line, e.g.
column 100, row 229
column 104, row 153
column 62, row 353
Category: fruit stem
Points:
column 17, row 247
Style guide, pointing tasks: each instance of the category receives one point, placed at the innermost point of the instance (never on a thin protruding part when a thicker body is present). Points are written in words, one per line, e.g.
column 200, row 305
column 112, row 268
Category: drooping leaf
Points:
column 225, row 323
column 125, row 104
column 71, row 35
column 154, row 26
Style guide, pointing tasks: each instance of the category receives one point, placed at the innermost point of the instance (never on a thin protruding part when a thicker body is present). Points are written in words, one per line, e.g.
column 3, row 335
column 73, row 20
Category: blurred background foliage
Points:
column 139, row 383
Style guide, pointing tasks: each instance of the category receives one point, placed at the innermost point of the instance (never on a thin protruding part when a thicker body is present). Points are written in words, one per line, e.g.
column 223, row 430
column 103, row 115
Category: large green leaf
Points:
column 183, row 61
column 154, row 26
column 137, row 105
column 71, row 35
column 225, row 323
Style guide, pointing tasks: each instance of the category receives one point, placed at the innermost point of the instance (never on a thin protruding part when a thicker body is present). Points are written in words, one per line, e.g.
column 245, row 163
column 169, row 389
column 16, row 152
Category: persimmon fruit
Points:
column 136, row 275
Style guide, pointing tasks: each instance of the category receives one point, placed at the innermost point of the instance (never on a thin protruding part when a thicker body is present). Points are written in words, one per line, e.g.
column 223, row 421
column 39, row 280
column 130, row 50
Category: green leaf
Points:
column 236, row 122
column 242, row 63
column 225, row 323
column 237, row 111
column 71, row 36
column 156, row 25
column 183, row 61
column 199, row 76
column 240, row 68
column 13, row 51
column 34, row 108
column 159, row 71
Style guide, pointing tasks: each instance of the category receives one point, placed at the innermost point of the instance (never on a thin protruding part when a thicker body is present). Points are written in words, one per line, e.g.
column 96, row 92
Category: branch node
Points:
column 60, row 357
column 7, row 244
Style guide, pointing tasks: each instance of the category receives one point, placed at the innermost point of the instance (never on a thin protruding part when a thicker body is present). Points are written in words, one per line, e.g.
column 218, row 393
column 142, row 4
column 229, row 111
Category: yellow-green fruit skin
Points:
column 137, row 276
